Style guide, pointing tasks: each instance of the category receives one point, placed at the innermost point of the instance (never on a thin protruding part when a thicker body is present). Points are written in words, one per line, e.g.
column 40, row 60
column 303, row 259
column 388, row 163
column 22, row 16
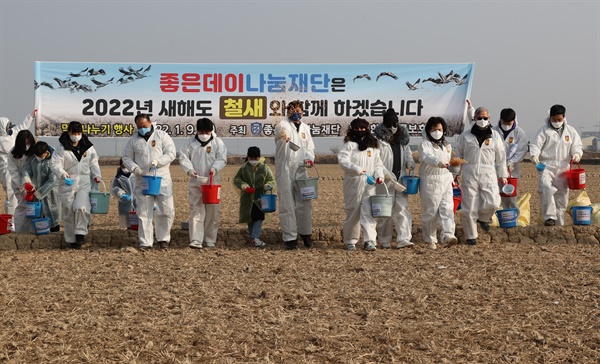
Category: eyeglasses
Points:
column 483, row 118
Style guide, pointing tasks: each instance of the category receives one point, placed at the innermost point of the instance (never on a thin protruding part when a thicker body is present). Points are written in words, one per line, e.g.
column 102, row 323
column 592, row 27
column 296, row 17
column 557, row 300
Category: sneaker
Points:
column 210, row 245
column 431, row 246
column 449, row 240
column 484, row 225
column 291, row 245
column 386, row 245
column 75, row 246
column 471, row 242
column 79, row 239
column 258, row 243
column 195, row 244
column 404, row 244
column 143, row 248
column 307, row 239
column 550, row 222
column 163, row 245
column 369, row 246
column 351, row 247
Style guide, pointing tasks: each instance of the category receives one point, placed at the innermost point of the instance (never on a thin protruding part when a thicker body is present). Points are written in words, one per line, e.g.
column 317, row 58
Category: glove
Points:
column 64, row 175
column 503, row 181
column 97, row 179
column 308, row 163
column 203, row 180
column 410, row 164
column 213, row 171
column 154, row 163
column 126, row 197
column 29, row 197
column 250, row 190
column 390, row 177
column 510, row 165
column 535, row 159
column 29, row 187
column 442, row 165
column 379, row 180
column 192, row 173
column 268, row 187
column 244, row 186
column 283, row 135
column 576, row 158
column 138, row 171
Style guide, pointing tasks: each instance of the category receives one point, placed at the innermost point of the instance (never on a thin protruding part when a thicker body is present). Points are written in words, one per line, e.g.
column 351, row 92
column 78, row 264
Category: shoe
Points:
column 431, row 246
column 210, row 245
column 386, row 245
column 369, row 246
column 484, row 225
column 79, row 239
column 195, row 244
column 550, row 222
column 351, row 247
column 75, row 246
column 163, row 245
column 55, row 229
column 290, row 245
column 471, row 242
column 449, row 240
column 144, row 248
column 307, row 239
column 404, row 244
column 258, row 243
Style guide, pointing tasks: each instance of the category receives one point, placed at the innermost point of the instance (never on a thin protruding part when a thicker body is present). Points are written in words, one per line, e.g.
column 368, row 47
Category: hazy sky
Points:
column 528, row 55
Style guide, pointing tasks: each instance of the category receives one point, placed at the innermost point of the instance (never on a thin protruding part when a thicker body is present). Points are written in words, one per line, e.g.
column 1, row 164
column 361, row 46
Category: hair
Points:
column 508, row 115
column 40, row 148
column 204, row 124
column 436, row 120
column 140, row 117
column 370, row 138
column 253, row 152
column 294, row 104
column 481, row 109
column 75, row 127
column 558, row 110
column 23, row 137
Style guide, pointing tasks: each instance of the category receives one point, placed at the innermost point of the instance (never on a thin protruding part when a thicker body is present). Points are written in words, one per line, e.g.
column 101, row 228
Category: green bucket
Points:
column 100, row 201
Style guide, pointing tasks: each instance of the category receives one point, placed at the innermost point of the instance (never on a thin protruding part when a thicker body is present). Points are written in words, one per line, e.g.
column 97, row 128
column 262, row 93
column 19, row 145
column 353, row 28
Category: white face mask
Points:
column 75, row 138
column 437, row 134
column 557, row 125
column 506, row 127
column 39, row 159
column 253, row 162
column 27, row 146
column 482, row 123
column 124, row 170
column 394, row 129
column 204, row 137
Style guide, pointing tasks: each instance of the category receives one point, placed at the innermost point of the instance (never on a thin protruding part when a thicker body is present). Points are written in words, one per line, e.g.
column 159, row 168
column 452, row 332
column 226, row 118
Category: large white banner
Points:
column 245, row 99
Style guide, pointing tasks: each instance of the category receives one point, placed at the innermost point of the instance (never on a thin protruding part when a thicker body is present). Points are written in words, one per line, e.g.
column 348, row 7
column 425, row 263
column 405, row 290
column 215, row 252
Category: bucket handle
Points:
column 571, row 165
column 509, row 172
column 8, row 223
column 387, row 191
column 210, row 176
column 412, row 170
column 104, row 187
column 314, row 166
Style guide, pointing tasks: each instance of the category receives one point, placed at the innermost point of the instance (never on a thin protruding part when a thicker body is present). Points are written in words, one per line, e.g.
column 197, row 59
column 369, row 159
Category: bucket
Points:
column 582, row 215
column 576, row 177
column 309, row 187
column 134, row 222
column 5, row 223
column 540, row 167
column 293, row 146
column 456, row 197
column 100, row 201
column 411, row 183
column 507, row 218
column 33, row 209
column 41, row 226
column 211, row 194
column 506, row 190
column 151, row 184
column 268, row 202
column 381, row 205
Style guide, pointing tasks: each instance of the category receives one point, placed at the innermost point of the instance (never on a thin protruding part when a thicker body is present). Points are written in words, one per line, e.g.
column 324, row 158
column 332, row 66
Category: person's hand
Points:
column 29, row 197
column 203, row 180
column 37, row 195
column 192, row 173
column 250, row 190
column 268, row 187
column 442, row 165
column 503, row 181
column 469, row 103
column 244, row 186
column 510, row 165
column 138, row 171
column 283, row 135
column 29, row 187
column 126, row 197
column 535, row 159
column 154, row 163
column 576, row 158
column 379, row 180
column 213, row 171
column 33, row 113
column 97, row 179
column 410, row 164
column 364, row 171
column 308, row 163
column 65, row 175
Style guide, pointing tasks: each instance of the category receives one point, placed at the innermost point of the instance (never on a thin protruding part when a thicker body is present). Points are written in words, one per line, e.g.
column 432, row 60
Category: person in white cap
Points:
column 148, row 151
column 435, row 184
column 360, row 158
column 294, row 153
column 555, row 145
column 483, row 150
column 203, row 156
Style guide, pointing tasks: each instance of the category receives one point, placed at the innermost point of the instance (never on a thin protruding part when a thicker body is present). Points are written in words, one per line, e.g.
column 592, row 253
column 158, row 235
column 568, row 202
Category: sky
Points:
column 528, row 55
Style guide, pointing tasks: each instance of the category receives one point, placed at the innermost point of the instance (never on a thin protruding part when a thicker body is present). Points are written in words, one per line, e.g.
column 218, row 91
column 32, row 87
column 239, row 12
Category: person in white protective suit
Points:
column 76, row 159
column 483, row 150
column 516, row 144
column 397, row 158
column 435, row 184
column 294, row 153
column 202, row 156
column 151, row 150
column 8, row 132
column 122, row 189
column 555, row 145
column 17, row 158
column 360, row 158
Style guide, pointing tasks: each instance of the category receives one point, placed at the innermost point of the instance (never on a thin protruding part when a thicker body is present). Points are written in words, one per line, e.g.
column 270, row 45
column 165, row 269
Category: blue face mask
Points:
column 144, row 131
column 295, row 116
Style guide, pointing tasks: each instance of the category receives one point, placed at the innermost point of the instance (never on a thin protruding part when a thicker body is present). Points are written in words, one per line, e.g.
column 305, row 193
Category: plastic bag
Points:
column 524, row 210
column 582, row 199
column 596, row 214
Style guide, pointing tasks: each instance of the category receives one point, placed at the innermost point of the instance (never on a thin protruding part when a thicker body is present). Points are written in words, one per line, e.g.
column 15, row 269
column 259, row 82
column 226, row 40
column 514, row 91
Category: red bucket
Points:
column 134, row 222
column 576, row 177
column 5, row 223
column 456, row 196
column 511, row 181
column 211, row 194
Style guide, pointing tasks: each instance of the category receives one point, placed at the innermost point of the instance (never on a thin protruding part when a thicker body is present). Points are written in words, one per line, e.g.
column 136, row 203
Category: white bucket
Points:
column 381, row 205
column 309, row 187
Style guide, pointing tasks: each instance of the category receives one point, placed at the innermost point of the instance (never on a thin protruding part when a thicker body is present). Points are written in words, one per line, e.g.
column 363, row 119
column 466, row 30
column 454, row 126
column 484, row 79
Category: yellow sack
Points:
column 582, row 199
column 524, row 209
column 495, row 221
column 596, row 214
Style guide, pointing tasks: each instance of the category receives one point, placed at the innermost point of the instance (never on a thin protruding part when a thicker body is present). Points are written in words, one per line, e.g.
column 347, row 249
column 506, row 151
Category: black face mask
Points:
column 360, row 134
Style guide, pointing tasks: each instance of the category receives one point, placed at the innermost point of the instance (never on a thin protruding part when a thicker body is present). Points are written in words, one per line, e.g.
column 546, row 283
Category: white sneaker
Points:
column 369, row 246
column 431, row 246
column 258, row 243
column 449, row 240
column 195, row 244
column 404, row 244
column 210, row 245
column 351, row 247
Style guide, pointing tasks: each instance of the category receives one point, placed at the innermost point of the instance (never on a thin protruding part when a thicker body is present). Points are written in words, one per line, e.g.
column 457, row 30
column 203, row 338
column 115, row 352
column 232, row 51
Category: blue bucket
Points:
column 33, row 209
column 411, row 183
column 151, row 184
column 507, row 218
column 268, row 202
column 582, row 215
column 41, row 226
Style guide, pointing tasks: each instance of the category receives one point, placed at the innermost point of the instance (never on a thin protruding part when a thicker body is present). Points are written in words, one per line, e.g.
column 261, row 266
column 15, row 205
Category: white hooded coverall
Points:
column 555, row 150
column 139, row 153
column 515, row 145
column 295, row 214
column 21, row 222
column 485, row 164
column 357, row 191
column 204, row 218
column 7, row 142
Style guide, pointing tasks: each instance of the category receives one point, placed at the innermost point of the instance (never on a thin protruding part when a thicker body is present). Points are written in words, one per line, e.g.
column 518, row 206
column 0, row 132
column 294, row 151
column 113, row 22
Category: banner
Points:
column 245, row 100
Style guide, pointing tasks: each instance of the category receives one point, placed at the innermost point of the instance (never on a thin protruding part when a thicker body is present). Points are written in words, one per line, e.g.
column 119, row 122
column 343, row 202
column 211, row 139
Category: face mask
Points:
column 295, row 116
column 482, row 123
column 557, row 125
column 27, row 146
column 125, row 170
column 394, row 129
column 505, row 127
column 39, row 159
column 143, row 131
column 253, row 162
column 437, row 134
column 360, row 134
column 204, row 137
column 75, row 138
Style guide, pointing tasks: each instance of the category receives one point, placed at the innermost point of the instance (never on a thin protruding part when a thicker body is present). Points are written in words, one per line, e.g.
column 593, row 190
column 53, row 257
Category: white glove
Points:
column 268, row 187
column 213, row 171
column 64, row 175
column 410, row 164
column 244, row 186
column 510, row 165
column 442, row 165
column 138, row 171
column 535, row 159
column 576, row 158
column 192, row 173
column 154, row 163
column 283, row 135
column 203, row 180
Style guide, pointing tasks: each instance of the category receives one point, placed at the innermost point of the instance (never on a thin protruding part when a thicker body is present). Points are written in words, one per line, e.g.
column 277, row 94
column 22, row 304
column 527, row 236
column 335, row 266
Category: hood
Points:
column 3, row 123
column 401, row 137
